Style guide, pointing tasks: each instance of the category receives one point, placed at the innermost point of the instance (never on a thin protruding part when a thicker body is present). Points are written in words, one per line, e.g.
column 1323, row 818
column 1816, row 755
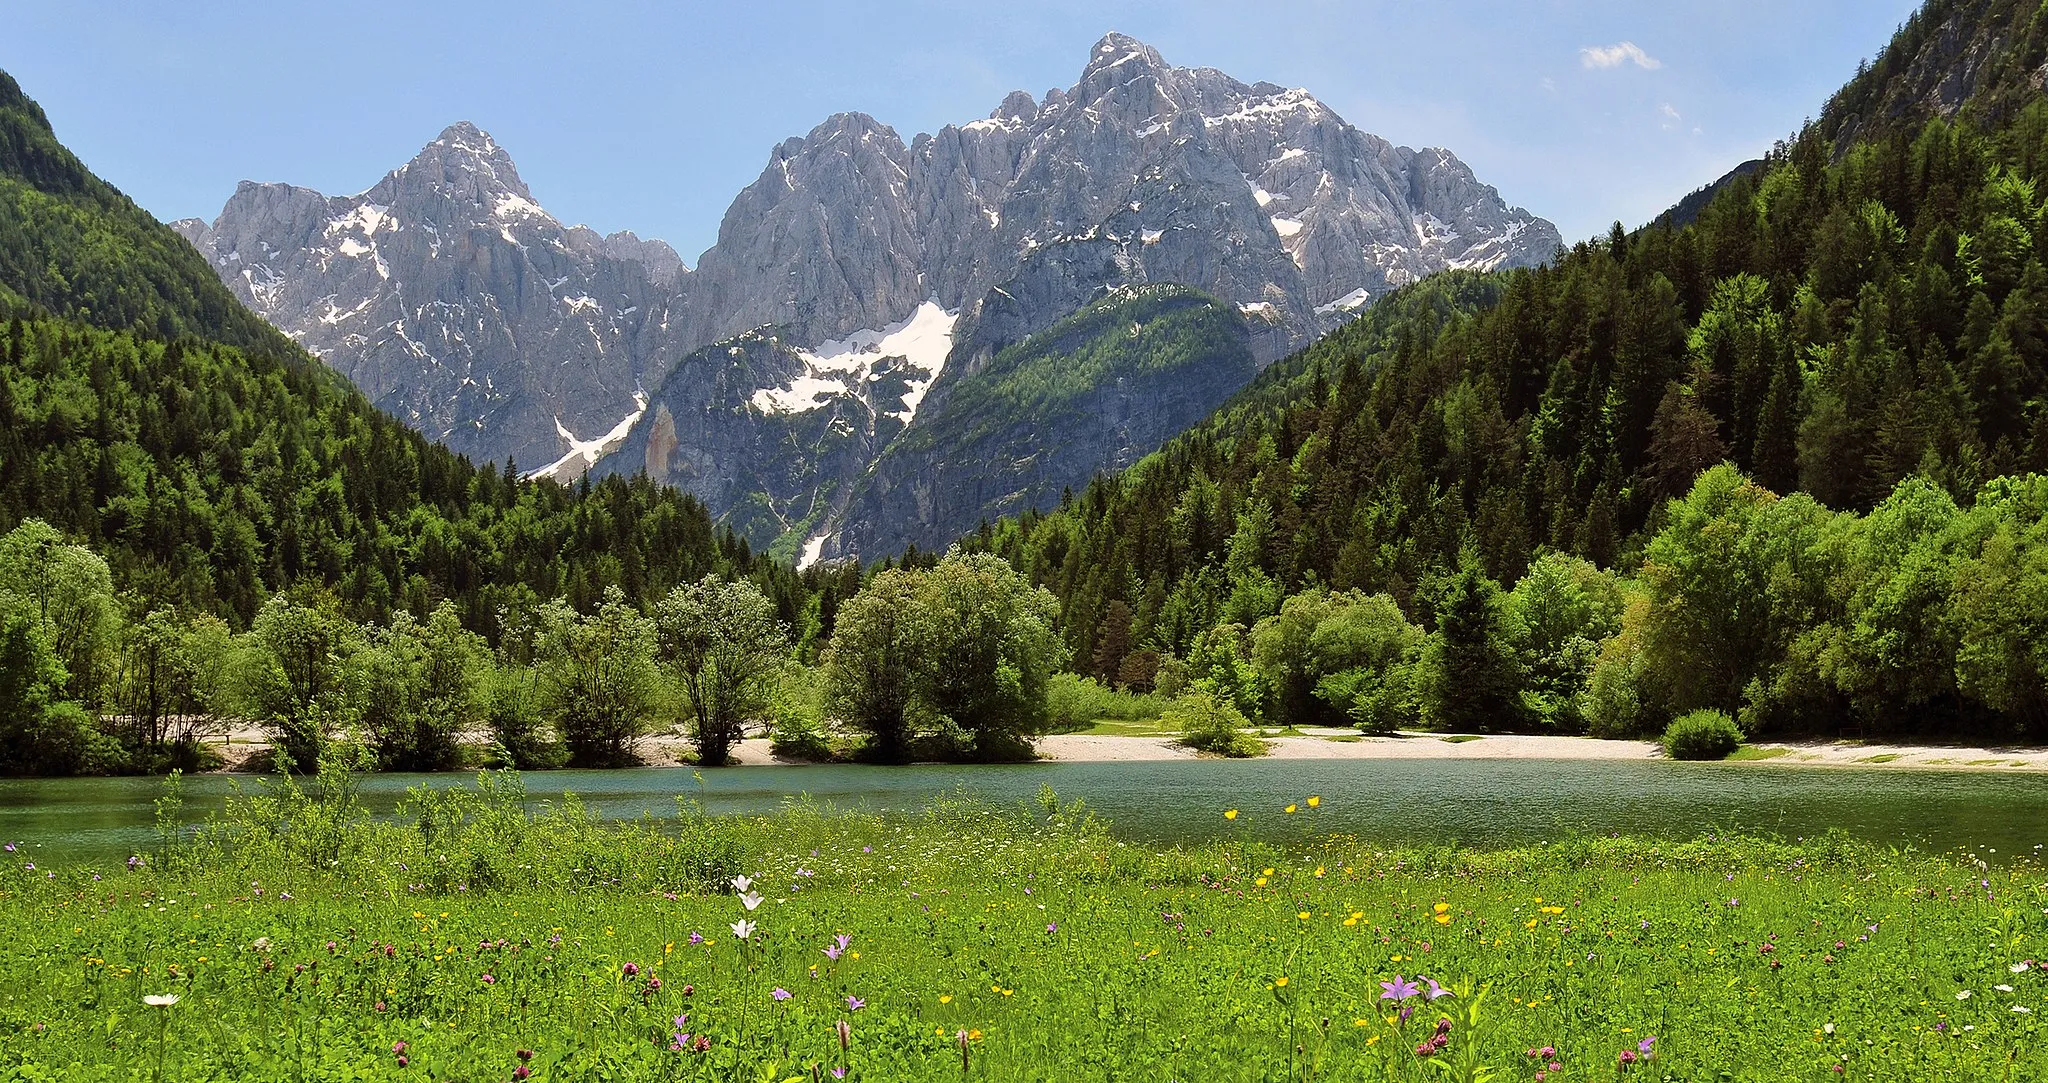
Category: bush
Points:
column 1209, row 724
column 1076, row 703
column 1701, row 735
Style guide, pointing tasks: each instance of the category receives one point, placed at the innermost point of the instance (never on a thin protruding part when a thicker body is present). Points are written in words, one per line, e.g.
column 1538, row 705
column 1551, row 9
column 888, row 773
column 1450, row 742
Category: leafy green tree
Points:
column 1369, row 656
column 993, row 642
column 874, row 663
column 1556, row 618
column 598, row 678
column 70, row 593
column 298, row 679
column 423, row 686
column 40, row 732
column 1219, row 667
column 722, row 641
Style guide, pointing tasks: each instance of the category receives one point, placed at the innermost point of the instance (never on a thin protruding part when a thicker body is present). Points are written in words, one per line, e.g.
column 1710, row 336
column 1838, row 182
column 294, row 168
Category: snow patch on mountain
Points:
column 583, row 454
column 839, row 367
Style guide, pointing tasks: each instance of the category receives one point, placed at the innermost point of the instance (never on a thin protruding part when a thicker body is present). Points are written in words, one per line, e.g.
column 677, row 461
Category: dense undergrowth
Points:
column 475, row 937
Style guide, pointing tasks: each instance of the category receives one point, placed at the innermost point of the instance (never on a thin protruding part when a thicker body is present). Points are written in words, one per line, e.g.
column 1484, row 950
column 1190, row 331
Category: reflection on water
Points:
column 1474, row 802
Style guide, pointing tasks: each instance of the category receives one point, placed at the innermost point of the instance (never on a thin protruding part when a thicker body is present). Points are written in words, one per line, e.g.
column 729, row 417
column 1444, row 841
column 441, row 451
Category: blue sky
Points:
column 633, row 114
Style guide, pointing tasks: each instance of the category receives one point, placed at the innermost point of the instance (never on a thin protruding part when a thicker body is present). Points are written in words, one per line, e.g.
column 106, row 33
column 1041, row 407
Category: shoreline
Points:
column 668, row 750
column 1333, row 744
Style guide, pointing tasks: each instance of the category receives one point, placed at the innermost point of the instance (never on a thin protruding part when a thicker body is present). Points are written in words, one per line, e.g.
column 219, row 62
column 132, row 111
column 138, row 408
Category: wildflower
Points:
column 1290, row 810
column 632, row 970
column 1052, row 927
column 750, row 901
column 838, row 947
column 945, row 998
column 695, row 938
column 1280, row 982
column 1629, row 1058
column 1643, row 1046
column 1314, row 801
column 780, row 993
column 1398, row 990
column 1435, row 990
column 488, row 980
column 742, row 884
column 743, row 929
column 521, row 1072
column 2018, row 968
column 160, row 1000
column 1228, row 814
column 1964, row 995
column 854, row 1004
column 2022, row 1009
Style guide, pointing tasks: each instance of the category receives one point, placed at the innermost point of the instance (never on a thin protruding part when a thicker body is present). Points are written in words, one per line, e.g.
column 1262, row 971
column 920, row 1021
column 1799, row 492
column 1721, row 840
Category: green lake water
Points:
column 1473, row 802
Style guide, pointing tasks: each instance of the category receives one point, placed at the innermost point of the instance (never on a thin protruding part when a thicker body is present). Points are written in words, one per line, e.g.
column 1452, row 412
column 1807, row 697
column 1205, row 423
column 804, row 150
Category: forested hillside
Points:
column 1863, row 322
column 146, row 413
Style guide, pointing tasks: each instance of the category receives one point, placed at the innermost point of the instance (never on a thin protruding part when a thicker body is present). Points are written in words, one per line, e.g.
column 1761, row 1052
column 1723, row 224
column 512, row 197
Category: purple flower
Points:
column 1398, row 990
column 10, row 847
column 854, row 1004
column 839, row 1073
column 780, row 993
column 1643, row 1046
column 1052, row 926
column 632, row 969
column 488, row 980
column 1435, row 990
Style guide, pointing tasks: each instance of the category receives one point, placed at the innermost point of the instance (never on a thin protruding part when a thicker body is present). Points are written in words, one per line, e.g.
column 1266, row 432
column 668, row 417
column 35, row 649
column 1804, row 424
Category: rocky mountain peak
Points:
column 1118, row 59
column 466, row 156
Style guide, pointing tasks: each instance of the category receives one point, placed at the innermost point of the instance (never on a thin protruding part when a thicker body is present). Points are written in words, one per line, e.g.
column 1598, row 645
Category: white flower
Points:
column 1828, row 1027
column 2018, row 968
column 262, row 944
column 1964, row 995
column 741, row 883
column 160, row 1000
column 750, row 901
column 2003, row 988
column 743, row 929
column 2022, row 1009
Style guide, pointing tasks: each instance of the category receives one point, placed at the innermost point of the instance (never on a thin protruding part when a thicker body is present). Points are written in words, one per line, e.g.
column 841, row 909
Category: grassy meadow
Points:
column 470, row 939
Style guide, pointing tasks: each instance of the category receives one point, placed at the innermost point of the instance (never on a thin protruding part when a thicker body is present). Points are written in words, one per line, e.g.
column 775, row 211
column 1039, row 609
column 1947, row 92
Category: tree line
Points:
column 949, row 660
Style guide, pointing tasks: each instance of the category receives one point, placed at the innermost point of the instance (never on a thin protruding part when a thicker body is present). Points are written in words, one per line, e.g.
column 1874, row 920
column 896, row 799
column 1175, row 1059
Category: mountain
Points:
column 454, row 301
column 148, row 414
column 1797, row 442
column 857, row 280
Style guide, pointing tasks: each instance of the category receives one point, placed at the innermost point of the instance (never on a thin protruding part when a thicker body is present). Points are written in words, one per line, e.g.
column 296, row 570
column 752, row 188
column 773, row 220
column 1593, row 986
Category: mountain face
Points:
column 453, row 301
column 859, row 283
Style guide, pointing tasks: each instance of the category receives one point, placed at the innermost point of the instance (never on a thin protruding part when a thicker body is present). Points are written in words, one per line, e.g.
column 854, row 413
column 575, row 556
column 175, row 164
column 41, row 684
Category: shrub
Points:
column 1701, row 735
column 1076, row 703
column 1209, row 724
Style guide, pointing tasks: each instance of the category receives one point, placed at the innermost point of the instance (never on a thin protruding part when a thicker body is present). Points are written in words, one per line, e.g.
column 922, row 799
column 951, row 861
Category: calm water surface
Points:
column 1475, row 802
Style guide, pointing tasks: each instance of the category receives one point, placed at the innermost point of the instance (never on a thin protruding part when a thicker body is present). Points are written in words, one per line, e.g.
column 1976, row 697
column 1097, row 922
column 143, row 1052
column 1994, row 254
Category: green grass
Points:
column 304, row 942
column 1460, row 738
column 1752, row 752
column 1115, row 727
column 1344, row 738
column 1882, row 757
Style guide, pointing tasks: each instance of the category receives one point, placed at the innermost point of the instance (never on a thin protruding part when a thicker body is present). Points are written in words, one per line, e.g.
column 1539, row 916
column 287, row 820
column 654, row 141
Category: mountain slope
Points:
column 1860, row 321
column 453, row 300
column 213, row 462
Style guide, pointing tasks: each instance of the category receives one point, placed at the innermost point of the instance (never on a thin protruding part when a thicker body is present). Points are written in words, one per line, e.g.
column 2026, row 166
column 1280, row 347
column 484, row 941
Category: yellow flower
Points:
column 1281, row 981
column 1350, row 921
column 1319, row 872
column 945, row 998
column 1443, row 907
column 1290, row 808
column 1261, row 881
column 1530, row 924
column 1303, row 915
column 1443, row 919
column 1267, row 872
column 1314, row 801
column 1230, row 814
column 1361, row 1023
column 974, row 1035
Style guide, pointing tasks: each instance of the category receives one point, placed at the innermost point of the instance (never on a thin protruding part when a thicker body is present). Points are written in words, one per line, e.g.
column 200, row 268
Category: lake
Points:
column 1472, row 802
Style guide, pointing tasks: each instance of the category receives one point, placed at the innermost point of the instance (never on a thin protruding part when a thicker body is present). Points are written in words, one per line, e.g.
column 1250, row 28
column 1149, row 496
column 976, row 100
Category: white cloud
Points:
column 1614, row 56
column 1670, row 112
